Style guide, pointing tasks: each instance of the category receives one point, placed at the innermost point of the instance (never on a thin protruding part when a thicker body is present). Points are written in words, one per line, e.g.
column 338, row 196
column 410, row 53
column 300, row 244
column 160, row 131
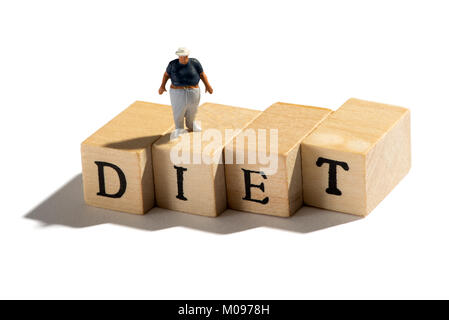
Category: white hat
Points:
column 183, row 51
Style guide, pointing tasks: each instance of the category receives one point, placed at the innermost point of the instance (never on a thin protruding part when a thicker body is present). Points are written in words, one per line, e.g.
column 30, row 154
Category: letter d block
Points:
column 188, row 171
column 356, row 156
column 116, row 160
column 265, row 177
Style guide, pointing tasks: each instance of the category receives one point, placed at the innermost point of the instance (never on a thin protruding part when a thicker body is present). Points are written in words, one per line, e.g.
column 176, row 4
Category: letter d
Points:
column 101, row 181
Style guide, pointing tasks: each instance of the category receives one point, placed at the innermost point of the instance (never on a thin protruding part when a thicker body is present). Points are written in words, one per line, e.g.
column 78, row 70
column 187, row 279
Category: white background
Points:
column 67, row 67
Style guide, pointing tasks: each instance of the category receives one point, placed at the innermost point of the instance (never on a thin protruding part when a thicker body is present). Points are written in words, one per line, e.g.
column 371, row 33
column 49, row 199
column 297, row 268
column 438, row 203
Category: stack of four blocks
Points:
column 347, row 160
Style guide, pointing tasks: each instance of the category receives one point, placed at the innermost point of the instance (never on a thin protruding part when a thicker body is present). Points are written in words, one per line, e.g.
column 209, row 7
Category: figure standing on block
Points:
column 185, row 74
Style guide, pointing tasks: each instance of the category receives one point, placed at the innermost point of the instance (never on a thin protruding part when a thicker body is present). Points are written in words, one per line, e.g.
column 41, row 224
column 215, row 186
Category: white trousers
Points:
column 184, row 104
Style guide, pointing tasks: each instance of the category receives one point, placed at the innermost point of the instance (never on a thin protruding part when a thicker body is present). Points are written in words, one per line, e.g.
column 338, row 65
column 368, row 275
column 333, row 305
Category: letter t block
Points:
column 356, row 156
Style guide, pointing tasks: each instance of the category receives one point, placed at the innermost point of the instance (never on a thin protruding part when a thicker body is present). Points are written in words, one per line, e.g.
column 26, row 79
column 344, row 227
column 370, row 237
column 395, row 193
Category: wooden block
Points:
column 198, row 187
column 356, row 156
column 116, row 160
column 250, row 186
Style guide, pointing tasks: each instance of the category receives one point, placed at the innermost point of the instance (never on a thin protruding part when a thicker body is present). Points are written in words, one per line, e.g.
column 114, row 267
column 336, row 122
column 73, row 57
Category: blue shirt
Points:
column 184, row 74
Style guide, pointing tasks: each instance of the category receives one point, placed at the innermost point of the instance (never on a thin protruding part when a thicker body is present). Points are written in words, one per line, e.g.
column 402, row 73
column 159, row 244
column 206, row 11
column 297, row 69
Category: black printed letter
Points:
column 248, row 186
column 121, row 177
column 332, row 188
column 180, row 179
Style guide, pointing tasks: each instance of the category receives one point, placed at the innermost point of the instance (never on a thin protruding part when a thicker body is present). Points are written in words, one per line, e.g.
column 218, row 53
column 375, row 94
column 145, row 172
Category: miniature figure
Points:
column 185, row 74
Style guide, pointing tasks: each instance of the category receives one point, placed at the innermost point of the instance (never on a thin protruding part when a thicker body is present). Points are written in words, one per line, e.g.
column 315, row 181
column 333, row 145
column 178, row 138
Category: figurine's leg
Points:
column 193, row 98
column 178, row 99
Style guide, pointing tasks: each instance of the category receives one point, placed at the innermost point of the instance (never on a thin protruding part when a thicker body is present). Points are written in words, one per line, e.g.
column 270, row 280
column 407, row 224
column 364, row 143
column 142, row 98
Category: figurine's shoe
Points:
column 196, row 126
column 175, row 134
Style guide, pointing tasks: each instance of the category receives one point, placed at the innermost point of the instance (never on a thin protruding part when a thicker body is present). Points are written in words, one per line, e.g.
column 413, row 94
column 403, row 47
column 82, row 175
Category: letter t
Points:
column 332, row 184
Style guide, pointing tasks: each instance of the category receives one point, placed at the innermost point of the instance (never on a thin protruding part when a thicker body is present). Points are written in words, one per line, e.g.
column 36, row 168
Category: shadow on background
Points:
column 66, row 207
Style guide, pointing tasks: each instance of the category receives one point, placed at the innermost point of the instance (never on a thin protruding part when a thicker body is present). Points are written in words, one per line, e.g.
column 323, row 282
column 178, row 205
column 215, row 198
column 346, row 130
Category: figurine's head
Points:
column 183, row 54
column 183, row 59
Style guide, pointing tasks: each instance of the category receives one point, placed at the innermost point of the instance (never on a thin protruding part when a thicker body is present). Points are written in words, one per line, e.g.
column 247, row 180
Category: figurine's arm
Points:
column 206, row 83
column 164, row 82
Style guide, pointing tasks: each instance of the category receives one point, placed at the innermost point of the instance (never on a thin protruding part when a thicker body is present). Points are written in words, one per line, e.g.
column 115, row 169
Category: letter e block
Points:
column 265, row 177
column 356, row 156
column 116, row 160
column 195, row 182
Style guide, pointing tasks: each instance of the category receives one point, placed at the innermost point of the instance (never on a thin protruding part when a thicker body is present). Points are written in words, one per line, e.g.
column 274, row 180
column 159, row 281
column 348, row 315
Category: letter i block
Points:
column 356, row 156
column 264, row 175
column 116, row 160
column 188, row 171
